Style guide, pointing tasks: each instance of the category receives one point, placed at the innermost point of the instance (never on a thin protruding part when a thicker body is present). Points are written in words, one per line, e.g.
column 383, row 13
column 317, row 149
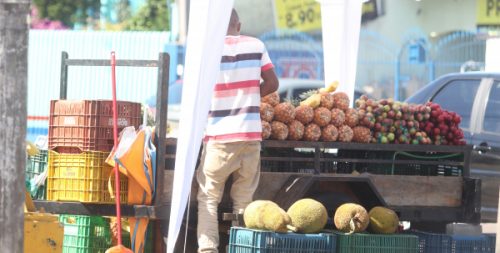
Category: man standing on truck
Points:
column 233, row 132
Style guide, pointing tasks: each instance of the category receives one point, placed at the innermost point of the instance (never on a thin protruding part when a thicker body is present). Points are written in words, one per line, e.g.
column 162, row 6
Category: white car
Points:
column 292, row 88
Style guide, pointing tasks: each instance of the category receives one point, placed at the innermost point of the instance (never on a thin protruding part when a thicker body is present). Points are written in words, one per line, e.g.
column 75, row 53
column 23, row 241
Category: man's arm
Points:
column 270, row 83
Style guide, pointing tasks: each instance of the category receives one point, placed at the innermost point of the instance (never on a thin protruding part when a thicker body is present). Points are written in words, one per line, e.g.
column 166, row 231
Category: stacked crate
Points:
column 80, row 140
column 85, row 234
column 244, row 240
column 444, row 243
column 376, row 243
column 35, row 167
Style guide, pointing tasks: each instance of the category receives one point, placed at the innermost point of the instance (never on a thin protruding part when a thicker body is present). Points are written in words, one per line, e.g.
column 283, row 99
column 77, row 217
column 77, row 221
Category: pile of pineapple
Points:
column 323, row 114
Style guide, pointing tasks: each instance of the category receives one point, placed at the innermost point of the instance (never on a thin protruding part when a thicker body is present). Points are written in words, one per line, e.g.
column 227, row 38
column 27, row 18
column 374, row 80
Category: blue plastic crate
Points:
column 376, row 243
column 492, row 239
column 36, row 165
column 442, row 243
column 243, row 240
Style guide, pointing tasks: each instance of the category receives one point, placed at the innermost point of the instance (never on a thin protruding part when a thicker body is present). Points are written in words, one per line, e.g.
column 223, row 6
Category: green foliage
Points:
column 69, row 12
column 123, row 10
column 153, row 16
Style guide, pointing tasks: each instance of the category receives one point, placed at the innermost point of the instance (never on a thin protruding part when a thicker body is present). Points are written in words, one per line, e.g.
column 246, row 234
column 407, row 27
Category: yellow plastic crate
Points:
column 81, row 177
column 42, row 233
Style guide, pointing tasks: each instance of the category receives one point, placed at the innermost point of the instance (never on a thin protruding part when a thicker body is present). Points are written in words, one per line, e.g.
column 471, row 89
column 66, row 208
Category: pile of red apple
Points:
column 443, row 126
column 402, row 123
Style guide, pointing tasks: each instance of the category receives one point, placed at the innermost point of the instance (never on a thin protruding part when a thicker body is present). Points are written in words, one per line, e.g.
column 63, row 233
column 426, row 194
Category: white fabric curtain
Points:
column 208, row 21
column 341, row 22
column 492, row 53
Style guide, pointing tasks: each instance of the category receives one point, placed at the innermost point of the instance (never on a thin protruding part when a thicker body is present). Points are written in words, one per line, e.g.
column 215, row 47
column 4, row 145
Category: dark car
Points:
column 476, row 97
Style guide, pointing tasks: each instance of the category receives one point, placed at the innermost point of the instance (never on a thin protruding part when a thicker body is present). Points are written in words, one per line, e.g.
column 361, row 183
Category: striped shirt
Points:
column 234, row 114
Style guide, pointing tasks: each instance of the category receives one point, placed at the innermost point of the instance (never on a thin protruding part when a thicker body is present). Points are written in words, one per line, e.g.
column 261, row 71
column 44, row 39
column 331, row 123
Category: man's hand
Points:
column 270, row 83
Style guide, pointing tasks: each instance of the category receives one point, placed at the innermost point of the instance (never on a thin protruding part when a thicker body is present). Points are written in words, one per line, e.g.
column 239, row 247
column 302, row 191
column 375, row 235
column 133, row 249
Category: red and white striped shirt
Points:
column 234, row 114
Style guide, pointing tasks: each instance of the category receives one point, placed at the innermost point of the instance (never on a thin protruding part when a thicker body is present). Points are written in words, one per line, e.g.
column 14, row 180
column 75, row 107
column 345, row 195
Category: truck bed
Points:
column 423, row 183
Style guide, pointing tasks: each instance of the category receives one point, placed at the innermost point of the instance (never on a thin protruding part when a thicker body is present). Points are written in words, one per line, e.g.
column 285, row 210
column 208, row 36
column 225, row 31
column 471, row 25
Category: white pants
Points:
column 218, row 162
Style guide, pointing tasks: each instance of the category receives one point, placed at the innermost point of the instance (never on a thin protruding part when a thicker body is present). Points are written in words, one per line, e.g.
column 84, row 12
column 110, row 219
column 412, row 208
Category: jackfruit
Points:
column 267, row 215
column 351, row 218
column 383, row 220
column 308, row 216
column 312, row 101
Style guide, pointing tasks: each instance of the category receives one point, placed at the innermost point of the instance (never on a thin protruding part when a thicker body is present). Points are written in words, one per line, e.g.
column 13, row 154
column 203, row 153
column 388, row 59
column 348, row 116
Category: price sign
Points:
column 300, row 15
column 488, row 12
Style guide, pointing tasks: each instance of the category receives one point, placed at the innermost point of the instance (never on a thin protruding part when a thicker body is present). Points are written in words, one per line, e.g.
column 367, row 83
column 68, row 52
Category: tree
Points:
column 69, row 12
column 44, row 24
column 153, row 16
column 123, row 10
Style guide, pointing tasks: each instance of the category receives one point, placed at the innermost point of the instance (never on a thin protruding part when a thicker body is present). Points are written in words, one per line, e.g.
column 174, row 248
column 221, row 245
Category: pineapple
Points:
column 279, row 131
column 329, row 133
column 361, row 134
column 326, row 100
column 322, row 116
column 294, row 101
column 295, row 130
column 307, row 94
column 351, row 117
column 266, row 130
column 338, row 117
column 345, row 134
column 284, row 112
column 312, row 132
column 304, row 114
column 266, row 112
column 273, row 99
column 341, row 101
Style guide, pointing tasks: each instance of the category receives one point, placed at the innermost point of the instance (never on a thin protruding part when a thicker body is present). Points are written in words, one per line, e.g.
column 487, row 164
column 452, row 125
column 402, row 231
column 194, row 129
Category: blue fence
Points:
column 385, row 68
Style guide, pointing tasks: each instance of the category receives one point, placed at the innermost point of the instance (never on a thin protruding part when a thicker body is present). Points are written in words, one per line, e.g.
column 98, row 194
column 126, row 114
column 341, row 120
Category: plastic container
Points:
column 36, row 165
column 85, row 234
column 492, row 238
column 376, row 243
column 87, row 125
column 443, row 243
column 42, row 233
column 82, row 177
column 243, row 240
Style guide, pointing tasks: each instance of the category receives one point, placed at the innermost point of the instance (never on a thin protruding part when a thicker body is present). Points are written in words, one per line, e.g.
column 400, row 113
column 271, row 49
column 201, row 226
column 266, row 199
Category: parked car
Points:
column 476, row 97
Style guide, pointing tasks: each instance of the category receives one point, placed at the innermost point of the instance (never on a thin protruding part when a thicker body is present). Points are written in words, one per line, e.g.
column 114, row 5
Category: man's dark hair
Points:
column 235, row 19
column 234, row 24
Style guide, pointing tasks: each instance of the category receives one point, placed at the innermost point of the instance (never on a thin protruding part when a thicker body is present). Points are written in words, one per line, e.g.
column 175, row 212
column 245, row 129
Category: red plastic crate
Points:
column 87, row 125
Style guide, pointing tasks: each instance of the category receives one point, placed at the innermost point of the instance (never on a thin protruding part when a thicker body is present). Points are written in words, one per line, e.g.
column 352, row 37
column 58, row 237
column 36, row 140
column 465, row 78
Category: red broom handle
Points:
column 115, row 137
